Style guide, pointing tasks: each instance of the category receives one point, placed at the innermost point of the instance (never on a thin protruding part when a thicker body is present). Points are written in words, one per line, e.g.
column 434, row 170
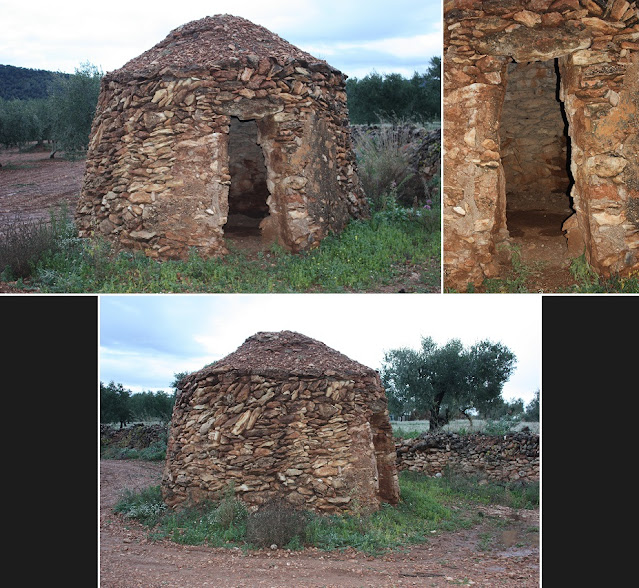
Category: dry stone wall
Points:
column 510, row 457
column 533, row 143
column 597, row 48
column 158, row 175
column 320, row 438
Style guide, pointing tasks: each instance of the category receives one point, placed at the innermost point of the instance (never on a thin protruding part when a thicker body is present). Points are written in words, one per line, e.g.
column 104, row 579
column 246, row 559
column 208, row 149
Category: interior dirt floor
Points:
column 543, row 249
column 502, row 551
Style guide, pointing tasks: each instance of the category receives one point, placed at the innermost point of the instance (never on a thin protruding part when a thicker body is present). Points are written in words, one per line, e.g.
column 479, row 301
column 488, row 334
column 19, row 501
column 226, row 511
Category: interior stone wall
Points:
column 533, row 139
column 596, row 45
column 248, row 191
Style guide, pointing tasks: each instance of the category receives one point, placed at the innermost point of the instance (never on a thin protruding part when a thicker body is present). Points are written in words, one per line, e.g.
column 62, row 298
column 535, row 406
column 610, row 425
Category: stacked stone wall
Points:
column 158, row 177
column 510, row 457
column 506, row 458
column 322, row 443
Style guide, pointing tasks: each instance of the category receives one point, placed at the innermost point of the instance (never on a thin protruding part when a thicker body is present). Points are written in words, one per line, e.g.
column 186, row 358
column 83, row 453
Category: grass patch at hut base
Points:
column 428, row 506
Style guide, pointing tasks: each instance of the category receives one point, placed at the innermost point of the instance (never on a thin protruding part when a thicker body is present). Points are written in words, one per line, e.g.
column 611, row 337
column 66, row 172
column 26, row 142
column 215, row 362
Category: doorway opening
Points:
column 384, row 447
column 248, row 191
column 535, row 154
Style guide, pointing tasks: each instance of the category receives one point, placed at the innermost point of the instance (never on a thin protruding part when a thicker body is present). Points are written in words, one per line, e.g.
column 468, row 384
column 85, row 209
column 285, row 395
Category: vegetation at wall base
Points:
column 586, row 279
column 154, row 452
column 428, row 506
column 590, row 282
column 23, row 244
column 366, row 255
column 586, row 282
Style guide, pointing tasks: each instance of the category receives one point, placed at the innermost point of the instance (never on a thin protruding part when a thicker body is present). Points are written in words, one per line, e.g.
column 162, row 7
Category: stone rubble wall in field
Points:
column 510, row 457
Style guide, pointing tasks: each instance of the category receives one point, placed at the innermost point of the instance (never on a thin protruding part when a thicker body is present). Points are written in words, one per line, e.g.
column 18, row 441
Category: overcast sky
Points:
column 355, row 36
column 146, row 339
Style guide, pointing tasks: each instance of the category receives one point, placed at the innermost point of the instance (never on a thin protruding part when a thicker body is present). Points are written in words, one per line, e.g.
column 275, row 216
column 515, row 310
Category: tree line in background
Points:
column 119, row 405
column 37, row 106
column 60, row 114
column 377, row 97
column 26, row 84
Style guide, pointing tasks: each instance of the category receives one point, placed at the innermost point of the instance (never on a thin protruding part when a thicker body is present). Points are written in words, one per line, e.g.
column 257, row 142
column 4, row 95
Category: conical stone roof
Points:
column 285, row 353
column 215, row 42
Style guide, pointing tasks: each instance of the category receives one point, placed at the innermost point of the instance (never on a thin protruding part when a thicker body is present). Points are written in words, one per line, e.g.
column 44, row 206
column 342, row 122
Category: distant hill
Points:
column 24, row 83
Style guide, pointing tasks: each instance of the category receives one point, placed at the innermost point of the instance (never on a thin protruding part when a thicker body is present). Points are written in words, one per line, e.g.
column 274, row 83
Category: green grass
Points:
column 24, row 243
column 474, row 490
column 517, row 276
column 586, row 278
column 367, row 256
column 428, row 506
column 589, row 282
column 145, row 506
column 154, row 452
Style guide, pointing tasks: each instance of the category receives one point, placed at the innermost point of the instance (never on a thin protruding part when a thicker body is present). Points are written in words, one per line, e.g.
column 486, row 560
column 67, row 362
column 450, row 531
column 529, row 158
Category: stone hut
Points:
column 283, row 416
column 541, row 102
column 221, row 127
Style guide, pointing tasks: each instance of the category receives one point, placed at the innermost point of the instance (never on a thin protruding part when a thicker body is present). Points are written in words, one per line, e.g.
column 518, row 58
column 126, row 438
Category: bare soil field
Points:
column 502, row 551
column 32, row 183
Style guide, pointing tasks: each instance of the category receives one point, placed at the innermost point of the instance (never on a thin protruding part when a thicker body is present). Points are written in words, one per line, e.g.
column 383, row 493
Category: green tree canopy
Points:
column 73, row 101
column 114, row 404
column 445, row 381
column 391, row 96
column 64, row 116
column 118, row 404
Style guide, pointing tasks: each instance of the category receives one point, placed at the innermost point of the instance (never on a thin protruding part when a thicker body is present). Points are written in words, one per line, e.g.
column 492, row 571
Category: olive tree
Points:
column 73, row 102
column 444, row 381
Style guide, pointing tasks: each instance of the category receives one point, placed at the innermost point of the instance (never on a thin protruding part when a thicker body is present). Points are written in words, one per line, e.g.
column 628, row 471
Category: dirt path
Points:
column 128, row 559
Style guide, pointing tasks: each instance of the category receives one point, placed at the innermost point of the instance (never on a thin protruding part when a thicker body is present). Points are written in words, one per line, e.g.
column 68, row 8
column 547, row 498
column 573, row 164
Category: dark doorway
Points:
column 536, row 159
column 248, row 191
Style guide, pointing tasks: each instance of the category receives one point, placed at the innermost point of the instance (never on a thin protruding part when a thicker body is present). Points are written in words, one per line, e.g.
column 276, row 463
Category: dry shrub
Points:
column 276, row 522
column 384, row 163
column 24, row 242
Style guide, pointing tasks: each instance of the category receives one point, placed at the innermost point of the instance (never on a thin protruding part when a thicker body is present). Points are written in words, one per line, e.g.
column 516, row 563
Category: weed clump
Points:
column 384, row 164
column 276, row 522
column 24, row 243
column 229, row 511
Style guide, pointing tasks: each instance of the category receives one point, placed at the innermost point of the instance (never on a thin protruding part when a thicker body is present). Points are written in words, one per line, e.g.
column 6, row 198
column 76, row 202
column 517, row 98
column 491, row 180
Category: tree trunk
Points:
column 438, row 418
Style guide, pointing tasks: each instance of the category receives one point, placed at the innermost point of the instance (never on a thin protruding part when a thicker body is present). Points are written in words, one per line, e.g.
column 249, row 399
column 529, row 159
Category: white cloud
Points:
column 147, row 339
column 59, row 36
